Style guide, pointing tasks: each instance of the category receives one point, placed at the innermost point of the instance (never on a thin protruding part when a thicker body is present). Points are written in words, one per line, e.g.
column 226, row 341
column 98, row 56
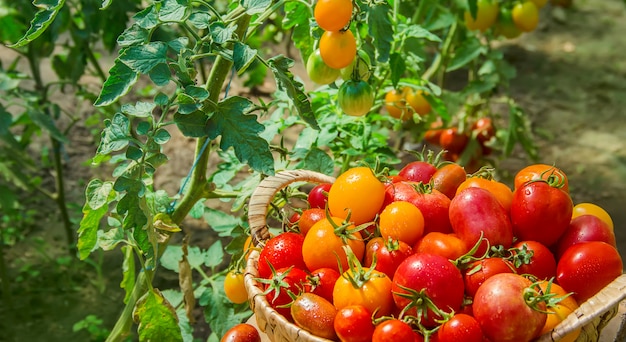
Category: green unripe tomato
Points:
column 318, row 71
column 355, row 98
column 362, row 64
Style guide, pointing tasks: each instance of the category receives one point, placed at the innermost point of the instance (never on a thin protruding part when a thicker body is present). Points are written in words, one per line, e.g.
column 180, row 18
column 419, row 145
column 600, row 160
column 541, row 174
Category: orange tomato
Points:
column 356, row 193
column 323, row 246
column 592, row 209
column 234, row 287
column 309, row 217
column 402, row 221
column 526, row 16
column 503, row 193
column 448, row 245
column 374, row 293
column 417, row 101
column 395, row 104
column 333, row 15
column 540, row 171
column 338, row 48
column 486, row 15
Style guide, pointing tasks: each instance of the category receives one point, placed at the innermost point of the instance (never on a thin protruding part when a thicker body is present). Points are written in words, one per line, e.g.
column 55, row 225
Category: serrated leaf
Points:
column 128, row 272
column 381, row 30
column 88, row 229
column 219, row 311
column 317, row 160
column 214, row 255
column 161, row 136
column 192, row 125
column 47, row 123
column 255, row 6
column 156, row 318
column 98, row 193
column 143, row 58
column 240, row 131
column 197, row 210
column 110, row 239
column 43, row 18
column 221, row 222
column 173, row 10
column 297, row 17
column 171, row 256
column 200, row 20
column 115, row 135
column 469, row 50
column 160, row 74
column 295, row 90
column 121, row 79
column 417, row 31
column 179, row 44
column 147, row 18
column 220, row 33
column 140, row 109
column 398, row 67
column 243, row 56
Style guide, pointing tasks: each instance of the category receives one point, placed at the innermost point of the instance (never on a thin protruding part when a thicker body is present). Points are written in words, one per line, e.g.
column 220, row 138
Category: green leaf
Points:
column 214, row 255
column 156, row 318
column 219, row 312
column 47, row 123
column 255, row 6
column 171, row 256
column 110, row 239
column 317, row 160
column 121, row 79
column 115, row 135
column 243, row 56
column 161, row 136
column 128, row 271
column 221, row 34
column 297, row 18
column 147, row 18
column 381, row 30
column 417, row 31
column 88, row 229
column 160, row 74
column 173, row 10
column 221, row 222
column 143, row 58
column 295, row 90
column 192, row 125
column 98, row 193
column 472, row 5
column 43, row 18
column 200, row 20
column 134, row 153
column 139, row 109
column 469, row 50
column 397, row 66
column 240, row 131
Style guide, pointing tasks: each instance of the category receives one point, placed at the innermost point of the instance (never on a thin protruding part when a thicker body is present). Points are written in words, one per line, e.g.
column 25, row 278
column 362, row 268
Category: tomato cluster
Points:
column 402, row 103
column 508, row 19
column 433, row 252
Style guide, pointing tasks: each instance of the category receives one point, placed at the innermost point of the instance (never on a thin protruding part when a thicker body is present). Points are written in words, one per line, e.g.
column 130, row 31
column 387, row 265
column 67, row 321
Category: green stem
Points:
column 6, row 288
column 442, row 57
column 197, row 190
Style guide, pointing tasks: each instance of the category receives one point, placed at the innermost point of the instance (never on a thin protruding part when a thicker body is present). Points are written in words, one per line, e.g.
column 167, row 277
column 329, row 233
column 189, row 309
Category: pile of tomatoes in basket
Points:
column 432, row 253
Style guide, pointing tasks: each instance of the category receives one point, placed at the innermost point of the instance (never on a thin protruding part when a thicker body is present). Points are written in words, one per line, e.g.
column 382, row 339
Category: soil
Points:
column 571, row 80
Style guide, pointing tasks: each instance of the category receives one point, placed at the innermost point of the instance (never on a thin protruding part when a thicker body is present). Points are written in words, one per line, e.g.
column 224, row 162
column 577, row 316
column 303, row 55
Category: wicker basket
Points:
column 592, row 316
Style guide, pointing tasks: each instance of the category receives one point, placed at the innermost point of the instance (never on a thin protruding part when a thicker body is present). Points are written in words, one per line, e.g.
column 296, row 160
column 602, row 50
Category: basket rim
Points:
column 602, row 302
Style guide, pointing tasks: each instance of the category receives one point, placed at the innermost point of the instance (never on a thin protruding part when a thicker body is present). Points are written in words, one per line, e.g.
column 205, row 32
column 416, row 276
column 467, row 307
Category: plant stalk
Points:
column 6, row 289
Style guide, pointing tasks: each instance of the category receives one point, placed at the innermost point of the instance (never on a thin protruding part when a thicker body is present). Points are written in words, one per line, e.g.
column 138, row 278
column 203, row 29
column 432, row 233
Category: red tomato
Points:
column 354, row 324
column 583, row 229
column 585, row 268
column 439, row 280
column 501, row 309
column 476, row 212
column 388, row 253
column 283, row 250
column 448, row 178
column 447, row 245
column 323, row 281
column 453, row 141
column 418, row 171
column 542, row 263
column 308, row 218
column 393, row 330
column 500, row 190
column 481, row 270
column 433, row 204
column 484, row 130
column 242, row 332
column 318, row 196
column 461, row 327
column 286, row 280
column 540, row 212
column 540, row 171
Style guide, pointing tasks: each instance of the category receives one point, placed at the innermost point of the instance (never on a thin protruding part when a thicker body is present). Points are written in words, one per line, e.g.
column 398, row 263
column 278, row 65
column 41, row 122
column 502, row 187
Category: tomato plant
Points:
column 355, row 98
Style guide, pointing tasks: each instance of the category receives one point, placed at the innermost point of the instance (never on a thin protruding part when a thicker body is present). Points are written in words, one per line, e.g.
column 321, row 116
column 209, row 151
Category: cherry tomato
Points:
column 418, row 171
column 402, row 221
column 592, row 209
column 481, row 270
column 448, row 178
column 359, row 69
column 393, row 330
column 318, row 71
column 323, row 282
column 318, row 196
column 283, row 250
column 433, row 275
column 505, row 26
column 556, row 314
column 389, row 254
column 525, row 16
column 358, row 193
column 309, row 217
column 501, row 308
column 323, row 245
column 433, row 204
column 242, row 332
column 501, row 191
column 353, row 323
column 395, row 104
column 541, row 171
column 447, row 245
column 583, row 229
column 314, row 314
column 373, row 291
column 486, row 15
column 355, row 98
column 338, row 48
column 542, row 263
column 585, row 268
column 417, row 101
column 453, row 141
column 540, row 212
column 234, row 287
column 285, row 281
column 461, row 327
column 333, row 15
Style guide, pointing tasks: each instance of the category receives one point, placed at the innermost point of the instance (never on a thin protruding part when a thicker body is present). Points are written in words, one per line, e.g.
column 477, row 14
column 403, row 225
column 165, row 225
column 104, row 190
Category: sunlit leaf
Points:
column 88, row 229
column 120, row 81
column 214, row 255
column 220, row 221
column 140, row 109
column 381, row 29
column 317, row 160
column 110, row 239
column 156, row 318
column 143, row 58
column 297, row 17
column 48, row 10
column 255, row 6
column 128, row 272
column 219, row 311
column 243, row 56
column 115, row 135
column 173, row 10
column 98, row 193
